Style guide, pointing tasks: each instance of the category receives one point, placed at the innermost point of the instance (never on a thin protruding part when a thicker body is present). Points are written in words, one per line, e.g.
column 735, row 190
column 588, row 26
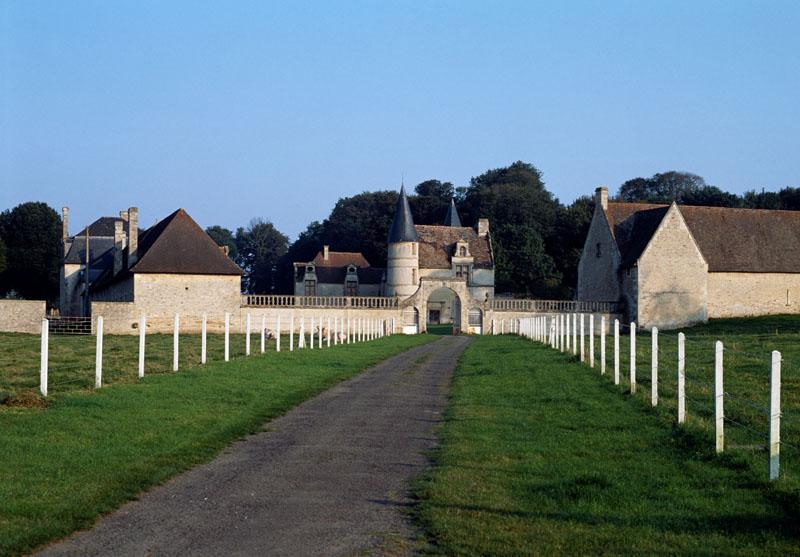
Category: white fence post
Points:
column 263, row 333
column 175, row 339
column 602, row 345
column 654, row 366
column 312, row 332
column 328, row 333
column 775, row 417
column 227, row 336
column 142, row 329
column 566, row 333
column 204, row 340
column 574, row 334
column 583, row 342
column 278, row 333
column 301, row 341
column 291, row 333
column 591, row 340
column 335, row 331
column 247, row 336
column 98, row 355
column 681, row 378
column 43, row 353
column 347, row 331
column 616, row 351
column 633, row 357
column 719, row 413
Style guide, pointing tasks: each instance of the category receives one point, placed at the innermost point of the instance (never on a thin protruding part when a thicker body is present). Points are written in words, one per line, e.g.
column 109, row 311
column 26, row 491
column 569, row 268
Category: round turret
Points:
column 402, row 262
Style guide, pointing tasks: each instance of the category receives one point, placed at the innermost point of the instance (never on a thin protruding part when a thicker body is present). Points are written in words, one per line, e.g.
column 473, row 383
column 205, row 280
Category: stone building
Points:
column 172, row 267
column 337, row 273
column 676, row 265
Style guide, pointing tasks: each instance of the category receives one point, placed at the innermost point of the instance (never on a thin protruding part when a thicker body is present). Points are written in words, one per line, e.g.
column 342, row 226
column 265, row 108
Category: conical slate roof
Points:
column 452, row 218
column 402, row 229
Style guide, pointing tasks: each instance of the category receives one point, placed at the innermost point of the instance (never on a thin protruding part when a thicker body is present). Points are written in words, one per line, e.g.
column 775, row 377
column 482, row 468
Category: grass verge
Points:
column 88, row 452
column 542, row 456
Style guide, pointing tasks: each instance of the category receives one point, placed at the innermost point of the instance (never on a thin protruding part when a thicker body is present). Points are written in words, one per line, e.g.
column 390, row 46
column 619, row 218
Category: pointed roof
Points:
column 452, row 218
column 178, row 245
column 402, row 229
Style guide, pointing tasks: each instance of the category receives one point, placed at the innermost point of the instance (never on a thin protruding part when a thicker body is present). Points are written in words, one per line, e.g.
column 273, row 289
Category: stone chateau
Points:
column 677, row 265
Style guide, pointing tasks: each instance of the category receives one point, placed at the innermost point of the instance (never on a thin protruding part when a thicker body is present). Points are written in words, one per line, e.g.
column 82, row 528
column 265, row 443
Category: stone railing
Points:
column 281, row 301
column 555, row 306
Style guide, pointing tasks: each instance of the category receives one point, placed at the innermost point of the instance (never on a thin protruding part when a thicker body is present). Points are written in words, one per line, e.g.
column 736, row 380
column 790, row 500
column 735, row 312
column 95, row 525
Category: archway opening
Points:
column 443, row 314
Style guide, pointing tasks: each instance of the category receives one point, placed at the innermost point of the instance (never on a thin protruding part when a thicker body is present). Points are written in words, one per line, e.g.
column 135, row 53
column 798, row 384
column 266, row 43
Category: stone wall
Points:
column 672, row 278
column 598, row 276
column 745, row 294
column 21, row 316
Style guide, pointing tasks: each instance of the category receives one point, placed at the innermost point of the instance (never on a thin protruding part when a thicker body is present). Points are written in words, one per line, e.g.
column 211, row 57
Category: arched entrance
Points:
column 443, row 311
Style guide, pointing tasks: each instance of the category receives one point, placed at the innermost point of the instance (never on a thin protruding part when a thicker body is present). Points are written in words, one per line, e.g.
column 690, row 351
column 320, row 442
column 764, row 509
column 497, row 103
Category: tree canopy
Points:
column 261, row 246
column 31, row 233
column 224, row 237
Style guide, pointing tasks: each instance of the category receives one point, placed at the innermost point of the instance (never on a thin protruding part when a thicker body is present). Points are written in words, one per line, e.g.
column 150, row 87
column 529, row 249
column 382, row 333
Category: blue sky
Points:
column 236, row 110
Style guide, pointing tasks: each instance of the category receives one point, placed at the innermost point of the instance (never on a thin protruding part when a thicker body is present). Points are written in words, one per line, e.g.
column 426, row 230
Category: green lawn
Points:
column 541, row 455
column 90, row 451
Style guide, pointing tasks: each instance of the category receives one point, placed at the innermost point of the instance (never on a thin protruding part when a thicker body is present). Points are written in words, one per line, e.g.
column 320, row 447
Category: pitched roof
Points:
column 98, row 247
column 104, row 226
column 336, row 275
column 177, row 245
column 341, row 259
column 436, row 245
column 402, row 229
column 731, row 240
column 452, row 218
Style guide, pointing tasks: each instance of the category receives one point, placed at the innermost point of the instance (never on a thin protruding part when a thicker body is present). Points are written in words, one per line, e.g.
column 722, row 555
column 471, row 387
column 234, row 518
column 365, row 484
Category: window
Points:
column 351, row 288
column 462, row 251
column 311, row 287
column 462, row 271
column 475, row 317
column 309, row 268
column 598, row 250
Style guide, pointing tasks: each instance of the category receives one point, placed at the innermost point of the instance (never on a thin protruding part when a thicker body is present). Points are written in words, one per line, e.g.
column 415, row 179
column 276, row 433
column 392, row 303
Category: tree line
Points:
column 536, row 239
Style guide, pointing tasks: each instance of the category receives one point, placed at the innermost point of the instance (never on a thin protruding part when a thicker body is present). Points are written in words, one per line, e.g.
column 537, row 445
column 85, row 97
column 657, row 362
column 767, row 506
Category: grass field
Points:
column 540, row 455
column 90, row 451
column 747, row 347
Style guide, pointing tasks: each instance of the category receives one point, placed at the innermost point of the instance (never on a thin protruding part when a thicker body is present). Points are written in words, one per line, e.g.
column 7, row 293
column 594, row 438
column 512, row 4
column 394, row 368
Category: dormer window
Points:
column 351, row 269
column 309, row 268
column 462, row 251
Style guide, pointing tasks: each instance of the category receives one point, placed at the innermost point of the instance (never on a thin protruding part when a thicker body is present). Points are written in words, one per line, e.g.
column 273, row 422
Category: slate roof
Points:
column 452, row 218
column 98, row 249
column 341, row 259
column 402, row 229
column 437, row 243
column 731, row 240
column 178, row 245
column 336, row 275
column 104, row 226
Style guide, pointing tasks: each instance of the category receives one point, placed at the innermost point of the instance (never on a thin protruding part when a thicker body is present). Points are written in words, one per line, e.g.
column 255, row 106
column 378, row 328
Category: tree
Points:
column 32, row 236
column 224, row 237
column 261, row 246
column 304, row 249
column 430, row 204
column 2, row 256
column 523, row 217
column 664, row 187
column 572, row 226
column 763, row 200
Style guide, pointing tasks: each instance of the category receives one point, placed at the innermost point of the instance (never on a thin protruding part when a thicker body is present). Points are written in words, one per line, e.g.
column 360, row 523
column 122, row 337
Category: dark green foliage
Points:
column 430, row 204
column 32, row 236
column 261, row 246
column 304, row 249
column 663, row 187
column 224, row 237
column 2, row 256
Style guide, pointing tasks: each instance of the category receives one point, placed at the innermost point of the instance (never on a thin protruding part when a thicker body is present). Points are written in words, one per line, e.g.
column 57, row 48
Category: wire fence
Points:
column 735, row 406
column 53, row 363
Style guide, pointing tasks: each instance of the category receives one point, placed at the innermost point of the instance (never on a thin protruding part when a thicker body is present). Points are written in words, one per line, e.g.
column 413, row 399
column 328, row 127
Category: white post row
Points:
column 616, row 351
column 775, row 416
column 227, row 336
column 204, row 339
column 263, row 333
column 278, row 333
column 98, row 354
column 602, row 345
column 719, row 414
column 654, row 366
column 247, row 336
column 142, row 329
column 43, row 353
column 633, row 357
column 175, row 332
column 681, row 378
column 591, row 340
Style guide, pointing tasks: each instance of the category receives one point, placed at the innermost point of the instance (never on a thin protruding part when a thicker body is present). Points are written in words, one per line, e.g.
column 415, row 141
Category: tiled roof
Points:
column 336, row 275
column 731, row 240
column 436, row 245
column 341, row 259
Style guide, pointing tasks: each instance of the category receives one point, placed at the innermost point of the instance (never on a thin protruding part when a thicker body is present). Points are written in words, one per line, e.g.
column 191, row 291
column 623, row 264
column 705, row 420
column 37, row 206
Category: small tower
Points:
column 452, row 218
column 402, row 263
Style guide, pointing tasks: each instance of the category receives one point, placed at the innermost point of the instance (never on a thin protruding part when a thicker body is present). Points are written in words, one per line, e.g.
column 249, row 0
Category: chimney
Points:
column 119, row 245
column 325, row 252
column 133, row 236
column 226, row 250
column 483, row 227
column 64, row 224
column 123, row 215
column 601, row 197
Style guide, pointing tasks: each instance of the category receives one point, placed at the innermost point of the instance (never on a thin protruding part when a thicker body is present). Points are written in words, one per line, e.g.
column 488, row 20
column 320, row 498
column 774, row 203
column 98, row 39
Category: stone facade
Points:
column 599, row 264
column 21, row 316
column 747, row 294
